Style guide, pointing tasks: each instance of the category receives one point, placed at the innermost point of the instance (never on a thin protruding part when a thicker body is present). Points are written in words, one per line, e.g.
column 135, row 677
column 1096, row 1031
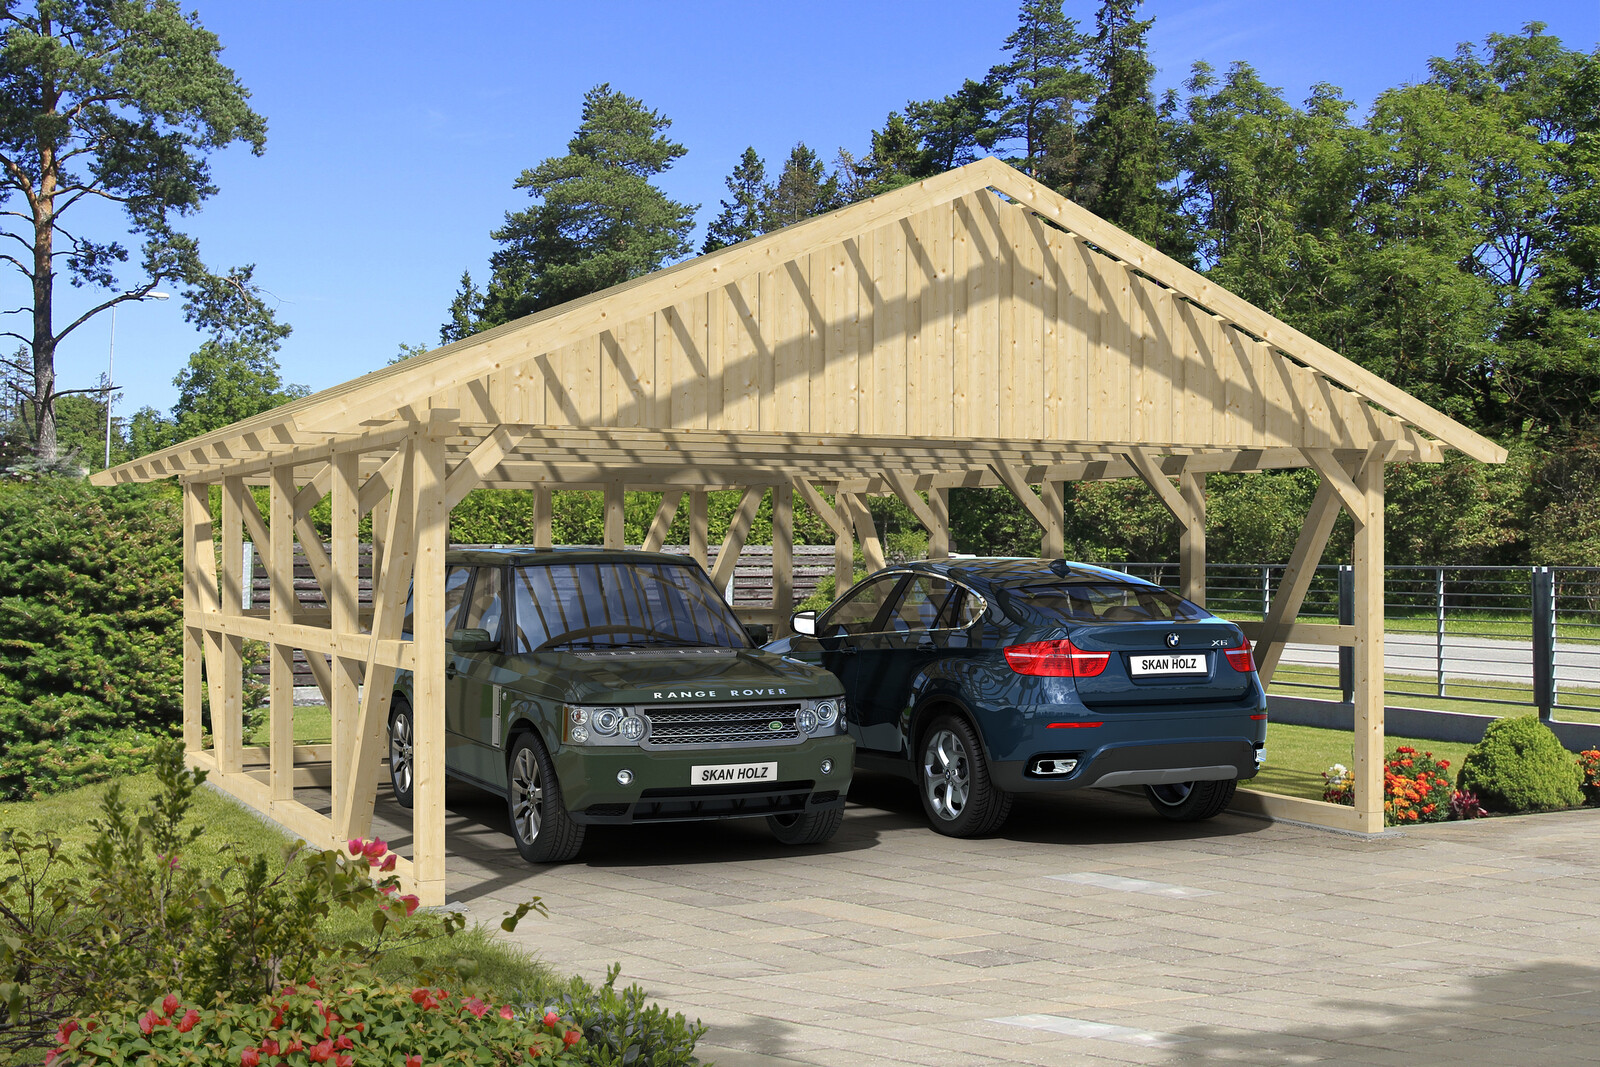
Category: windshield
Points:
column 1100, row 602
column 620, row 605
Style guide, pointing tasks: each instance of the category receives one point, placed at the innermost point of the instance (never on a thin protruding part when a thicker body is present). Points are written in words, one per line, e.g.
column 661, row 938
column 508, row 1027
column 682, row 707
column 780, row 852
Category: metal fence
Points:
column 1511, row 636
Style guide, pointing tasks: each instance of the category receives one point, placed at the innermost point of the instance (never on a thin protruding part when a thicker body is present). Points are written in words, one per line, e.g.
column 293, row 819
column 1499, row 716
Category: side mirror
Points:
column 759, row 633
column 804, row 622
column 464, row 641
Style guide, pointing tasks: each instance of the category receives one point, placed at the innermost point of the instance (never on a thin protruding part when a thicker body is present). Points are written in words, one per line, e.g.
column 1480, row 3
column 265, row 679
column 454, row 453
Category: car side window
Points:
column 486, row 608
column 455, row 592
column 929, row 602
column 858, row 612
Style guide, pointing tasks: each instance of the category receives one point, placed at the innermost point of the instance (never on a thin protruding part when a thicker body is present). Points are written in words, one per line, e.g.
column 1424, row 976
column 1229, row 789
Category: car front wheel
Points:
column 953, row 781
column 1191, row 801
column 540, row 825
column 401, row 738
column 805, row 828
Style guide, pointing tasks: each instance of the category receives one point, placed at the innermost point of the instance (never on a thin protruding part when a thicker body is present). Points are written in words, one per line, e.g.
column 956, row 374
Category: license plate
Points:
column 1147, row 666
column 733, row 773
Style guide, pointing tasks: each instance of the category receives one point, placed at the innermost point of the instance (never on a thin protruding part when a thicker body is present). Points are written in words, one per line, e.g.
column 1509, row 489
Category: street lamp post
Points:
column 111, row 359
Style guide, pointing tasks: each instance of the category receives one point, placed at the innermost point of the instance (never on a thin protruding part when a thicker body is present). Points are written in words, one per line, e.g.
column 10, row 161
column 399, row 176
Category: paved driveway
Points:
column 1088, row 932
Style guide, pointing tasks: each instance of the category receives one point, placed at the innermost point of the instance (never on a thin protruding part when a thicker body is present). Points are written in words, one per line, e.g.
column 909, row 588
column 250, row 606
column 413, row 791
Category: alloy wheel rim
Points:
column 400, row 752
column 527, row 796
column 946, row 775
column 1172, row 794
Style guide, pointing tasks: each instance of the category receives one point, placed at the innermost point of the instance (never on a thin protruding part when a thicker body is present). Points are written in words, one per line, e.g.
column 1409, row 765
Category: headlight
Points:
column 807, row 721
column 827, row 713
column 608, row 725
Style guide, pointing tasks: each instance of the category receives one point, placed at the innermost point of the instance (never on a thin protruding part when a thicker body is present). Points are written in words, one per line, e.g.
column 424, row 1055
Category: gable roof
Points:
column 974, row 312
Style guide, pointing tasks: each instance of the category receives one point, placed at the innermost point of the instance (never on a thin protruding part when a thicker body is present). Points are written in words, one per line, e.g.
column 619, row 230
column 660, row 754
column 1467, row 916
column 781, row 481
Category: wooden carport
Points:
column 974, row 329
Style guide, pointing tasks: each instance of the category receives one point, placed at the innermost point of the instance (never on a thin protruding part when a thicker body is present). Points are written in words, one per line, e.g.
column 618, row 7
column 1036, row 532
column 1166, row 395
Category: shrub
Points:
column 359, row 1023
column 1338, row 785
column 620, row 1028
column 1589, row 764
column 91, row 607
column 128, row 921
column 1520, row 766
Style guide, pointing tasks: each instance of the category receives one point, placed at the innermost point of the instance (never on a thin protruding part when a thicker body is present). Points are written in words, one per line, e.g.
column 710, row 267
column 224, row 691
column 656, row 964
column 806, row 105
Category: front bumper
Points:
column 661, row 789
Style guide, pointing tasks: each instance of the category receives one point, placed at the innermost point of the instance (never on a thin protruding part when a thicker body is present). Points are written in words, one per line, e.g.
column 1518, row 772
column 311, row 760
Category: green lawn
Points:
column 1297, row 756
column 232, row 832
column 313, row 725
column 1421, row 691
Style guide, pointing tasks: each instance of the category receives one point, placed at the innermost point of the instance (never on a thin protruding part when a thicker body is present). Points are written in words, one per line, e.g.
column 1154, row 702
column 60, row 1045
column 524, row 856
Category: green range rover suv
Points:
column 598, row 687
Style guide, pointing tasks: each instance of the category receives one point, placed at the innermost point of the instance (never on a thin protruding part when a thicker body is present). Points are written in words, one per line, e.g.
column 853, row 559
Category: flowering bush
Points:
column 128, row 922
column 1589, row 763
column 300, row 1024
column 1415, row 787
column 1338, row 785
column 1464, row 804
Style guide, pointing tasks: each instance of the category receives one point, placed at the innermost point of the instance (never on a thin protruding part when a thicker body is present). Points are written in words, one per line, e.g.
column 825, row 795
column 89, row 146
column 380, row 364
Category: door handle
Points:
column 450, row 670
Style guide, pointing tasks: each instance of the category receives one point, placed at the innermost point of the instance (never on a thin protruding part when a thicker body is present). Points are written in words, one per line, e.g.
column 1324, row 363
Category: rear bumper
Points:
column 1155, row 763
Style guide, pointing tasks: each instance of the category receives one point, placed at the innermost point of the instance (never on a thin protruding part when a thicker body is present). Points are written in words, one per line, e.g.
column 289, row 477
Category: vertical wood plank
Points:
column 1072, row 310
column 939, row 535
column 1052, row 538
column 782, row 559
column 612, row 526
column 1192, row 539
column 344, row 606
column 1156, row 370
column 280, row 570
column 697, row 527
column 427, row 813
column 227, row 720
column 1027, row 311
column 541, row 517
column 1367, row 762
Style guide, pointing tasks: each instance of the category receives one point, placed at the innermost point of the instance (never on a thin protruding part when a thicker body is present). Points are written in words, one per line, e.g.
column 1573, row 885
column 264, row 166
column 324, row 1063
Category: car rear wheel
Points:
column 540, row 825
column 805, row 828
column 401, row 734
column 953, row 781
column 1191, row 801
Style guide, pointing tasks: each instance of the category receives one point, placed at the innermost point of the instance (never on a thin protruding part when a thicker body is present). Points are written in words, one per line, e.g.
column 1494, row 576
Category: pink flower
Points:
column 344, row 1059
column 249, row 1058
column 476, row 1007
column 148, row 1021
column 354, row 846
column 190, row 1017
column 170, row 1004
column 506, row 1012
column 321, row 1052
column 270, row 1047
column 410, row 901
column 374, row 849
column 551, row 1018
column 413, row 1060
column 66, row 1030
column 571, row 1037
column 388, row 862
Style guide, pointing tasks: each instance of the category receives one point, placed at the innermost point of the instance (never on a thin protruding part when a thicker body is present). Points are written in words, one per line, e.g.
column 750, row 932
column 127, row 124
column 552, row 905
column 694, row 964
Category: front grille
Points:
column 722, row 724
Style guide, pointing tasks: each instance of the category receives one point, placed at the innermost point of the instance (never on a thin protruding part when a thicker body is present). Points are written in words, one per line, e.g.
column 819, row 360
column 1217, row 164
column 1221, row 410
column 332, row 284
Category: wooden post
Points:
column 1192, row 541
column 432, row 526
column 280, row 569
column 939, row 534
column 1367, row 765
column 866, row 532
column 697, row 527
column 541, row 517
column 196, row 521
column 782, row 559
column 613, row 530
column 1052, row 542
column 344, row 607
column 227, row 722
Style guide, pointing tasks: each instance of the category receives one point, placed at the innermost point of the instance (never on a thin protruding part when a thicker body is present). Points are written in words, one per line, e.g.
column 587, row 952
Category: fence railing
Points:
column 1517, row 636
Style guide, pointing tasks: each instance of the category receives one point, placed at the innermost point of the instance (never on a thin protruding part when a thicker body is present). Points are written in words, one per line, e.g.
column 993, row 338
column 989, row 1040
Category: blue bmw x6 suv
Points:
column 983, row 678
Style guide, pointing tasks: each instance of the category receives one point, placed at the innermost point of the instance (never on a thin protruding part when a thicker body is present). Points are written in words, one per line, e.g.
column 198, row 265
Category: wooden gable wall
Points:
column 973, row 318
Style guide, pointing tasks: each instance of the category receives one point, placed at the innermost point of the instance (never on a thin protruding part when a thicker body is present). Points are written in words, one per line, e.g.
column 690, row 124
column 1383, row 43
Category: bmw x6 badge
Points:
column 1172, row 640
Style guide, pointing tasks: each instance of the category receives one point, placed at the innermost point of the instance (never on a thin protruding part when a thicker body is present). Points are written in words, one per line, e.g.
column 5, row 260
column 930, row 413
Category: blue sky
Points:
column 395, row 131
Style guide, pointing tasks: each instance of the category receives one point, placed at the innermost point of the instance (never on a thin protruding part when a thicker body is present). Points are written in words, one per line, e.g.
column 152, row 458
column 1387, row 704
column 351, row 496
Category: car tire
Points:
column 402, row 738
column 953, row 781
column 1191, row 801
column 540, row 825
column 806, row 828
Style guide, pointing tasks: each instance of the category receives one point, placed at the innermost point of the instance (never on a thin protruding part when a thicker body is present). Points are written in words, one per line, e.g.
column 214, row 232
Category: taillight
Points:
column 1241, row 659
column 1055, row 659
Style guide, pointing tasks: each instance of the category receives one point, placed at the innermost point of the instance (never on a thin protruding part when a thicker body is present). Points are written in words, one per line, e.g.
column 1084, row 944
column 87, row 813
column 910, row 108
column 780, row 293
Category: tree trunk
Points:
column 44, row 338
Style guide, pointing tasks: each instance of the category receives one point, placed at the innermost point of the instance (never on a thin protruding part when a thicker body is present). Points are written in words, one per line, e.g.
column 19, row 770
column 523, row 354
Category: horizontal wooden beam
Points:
column 1303, row 633
column 394, row 653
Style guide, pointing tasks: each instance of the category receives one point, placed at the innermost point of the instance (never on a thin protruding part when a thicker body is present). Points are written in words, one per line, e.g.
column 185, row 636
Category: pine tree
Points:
column 1126, row 165
column 466, row 312
column 1044, row 82
column 955, row 129
column 804, row 188
column 895, row 158
column 740, row 219
column 598, row 220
